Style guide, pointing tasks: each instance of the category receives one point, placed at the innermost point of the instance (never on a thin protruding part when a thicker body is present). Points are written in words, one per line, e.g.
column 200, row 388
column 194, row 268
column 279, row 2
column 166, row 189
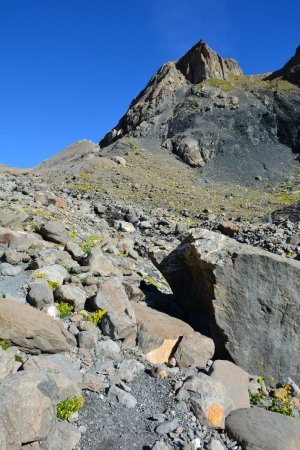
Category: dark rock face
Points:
column 291, row 71
column 196, row 109
column 201, row 62
column 245, row 298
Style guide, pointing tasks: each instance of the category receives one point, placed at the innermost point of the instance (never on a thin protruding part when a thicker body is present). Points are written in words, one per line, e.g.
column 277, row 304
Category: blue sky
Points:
column 69, row 68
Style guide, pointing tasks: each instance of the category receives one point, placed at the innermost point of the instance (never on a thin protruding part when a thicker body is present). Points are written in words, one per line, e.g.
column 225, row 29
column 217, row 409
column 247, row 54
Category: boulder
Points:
column 245, row 298
column 74, row 250
column 121, row 225
column 40, row 294
column 31, row 330
column 74, row 295
column 194, row 350
column 88, row 339
column 209, row 399
column 158, row 333
column 54, row 272
column 54, row 363
column 235, row 380
column 63, row 437
column 27, row 411
column 54, row 231
column 11, row 220
column 119, row 322
column 259, row 429
column 99, row 263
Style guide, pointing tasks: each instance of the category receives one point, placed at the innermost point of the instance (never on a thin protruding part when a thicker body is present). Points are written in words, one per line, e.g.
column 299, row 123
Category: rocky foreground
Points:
column 97, row 351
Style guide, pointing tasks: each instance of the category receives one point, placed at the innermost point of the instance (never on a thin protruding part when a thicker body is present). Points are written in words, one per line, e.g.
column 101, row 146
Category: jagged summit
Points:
column 235, row 128
column 201, row 62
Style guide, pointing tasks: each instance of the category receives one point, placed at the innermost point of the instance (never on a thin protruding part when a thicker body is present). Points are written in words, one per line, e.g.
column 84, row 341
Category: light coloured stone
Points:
column 158, row 333
column 235, row 380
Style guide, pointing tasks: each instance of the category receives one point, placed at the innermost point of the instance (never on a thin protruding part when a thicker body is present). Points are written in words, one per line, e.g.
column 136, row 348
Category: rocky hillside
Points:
column 235, row 128
column 98, row 351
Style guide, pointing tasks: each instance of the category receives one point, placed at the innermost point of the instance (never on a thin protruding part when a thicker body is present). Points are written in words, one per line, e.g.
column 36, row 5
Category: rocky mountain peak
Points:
column 201, row 62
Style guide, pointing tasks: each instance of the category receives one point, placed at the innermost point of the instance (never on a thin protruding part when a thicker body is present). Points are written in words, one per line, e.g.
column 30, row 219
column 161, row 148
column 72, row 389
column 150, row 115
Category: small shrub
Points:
column 281, row 402
column 40, row 275
column 96, row 316
column 4, row 345
column 53, row 284
column 66, row 408
column 64, row 309
column 86, row 246
column 257, row 398
column 19, row 359
column 73, row 234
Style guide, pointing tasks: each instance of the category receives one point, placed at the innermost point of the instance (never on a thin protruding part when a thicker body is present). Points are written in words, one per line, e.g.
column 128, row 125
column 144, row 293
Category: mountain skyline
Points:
column 66, row 76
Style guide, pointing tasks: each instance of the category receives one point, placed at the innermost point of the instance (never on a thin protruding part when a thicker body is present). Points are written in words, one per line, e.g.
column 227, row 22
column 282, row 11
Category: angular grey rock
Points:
column 235, row 289
column 27, row 412
column 74, row 250
column 117, row 394
column 194, row 350
column 11, row 220
column 258, row 429
column 118, row 325
column 74, row 295
column 99, row 263
column 167, row 427
column 209, row 399
column 54, row 272
column 13, row 257
column 91, row 382
column 56, row 363
column 129, row 369
column 8, row 363
column 235, row 380
column 108, row 349
column 54, row 231
column 121, row 225
column 63, row 437
column 88, row 339
column 40, row 294
column 9, row 270
column 119, row 322
column 31, row 330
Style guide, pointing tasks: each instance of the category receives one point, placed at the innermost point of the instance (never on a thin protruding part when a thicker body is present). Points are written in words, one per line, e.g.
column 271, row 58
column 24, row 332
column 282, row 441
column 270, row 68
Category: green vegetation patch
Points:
column 53, row 284
column 65, row 309
column 66, row 408
column 224, row 85
column 4, row 345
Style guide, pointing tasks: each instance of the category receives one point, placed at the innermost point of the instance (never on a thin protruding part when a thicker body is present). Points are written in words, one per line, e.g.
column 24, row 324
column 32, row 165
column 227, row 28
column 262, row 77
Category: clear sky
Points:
column 69, row 68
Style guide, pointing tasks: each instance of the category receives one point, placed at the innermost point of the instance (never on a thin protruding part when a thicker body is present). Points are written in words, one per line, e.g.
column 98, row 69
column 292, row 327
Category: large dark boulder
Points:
column 243, row 297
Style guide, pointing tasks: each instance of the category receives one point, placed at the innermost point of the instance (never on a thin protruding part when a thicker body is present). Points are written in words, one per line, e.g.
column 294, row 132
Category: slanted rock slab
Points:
column 32, row 330
column 245, row 298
